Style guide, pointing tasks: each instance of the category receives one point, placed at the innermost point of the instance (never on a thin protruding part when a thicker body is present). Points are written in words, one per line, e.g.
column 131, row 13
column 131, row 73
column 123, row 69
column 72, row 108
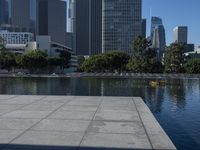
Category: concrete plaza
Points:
column 79, row 123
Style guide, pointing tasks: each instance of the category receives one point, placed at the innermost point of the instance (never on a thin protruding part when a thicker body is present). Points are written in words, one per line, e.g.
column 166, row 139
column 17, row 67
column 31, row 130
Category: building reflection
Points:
column 175, row 88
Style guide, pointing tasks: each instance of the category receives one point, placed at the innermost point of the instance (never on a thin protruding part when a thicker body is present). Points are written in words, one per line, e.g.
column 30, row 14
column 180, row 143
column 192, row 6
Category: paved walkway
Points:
column 78, row 123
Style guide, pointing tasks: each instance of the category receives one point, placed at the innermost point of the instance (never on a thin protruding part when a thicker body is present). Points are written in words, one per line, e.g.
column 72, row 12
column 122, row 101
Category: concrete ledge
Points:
column 79, row 123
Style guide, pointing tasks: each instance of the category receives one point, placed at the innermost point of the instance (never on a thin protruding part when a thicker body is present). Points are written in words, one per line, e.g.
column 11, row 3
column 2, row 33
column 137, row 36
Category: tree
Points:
column 81, row 60
column 54, row 62
column 143, row 58
column 65, row 57
column 7, row 59
column 108, row 62
column 117, row 61
column 174, row 58
column 2, row 43
column 192, row 66
column 34, row 60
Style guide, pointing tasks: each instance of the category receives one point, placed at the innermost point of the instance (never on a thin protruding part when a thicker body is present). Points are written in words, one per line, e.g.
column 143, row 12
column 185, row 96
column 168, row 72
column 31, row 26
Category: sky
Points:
column 175, row 13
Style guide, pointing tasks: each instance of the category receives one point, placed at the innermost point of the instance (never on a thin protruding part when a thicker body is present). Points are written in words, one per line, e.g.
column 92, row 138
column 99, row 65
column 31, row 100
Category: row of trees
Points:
column 143, row 60
column 34, row 61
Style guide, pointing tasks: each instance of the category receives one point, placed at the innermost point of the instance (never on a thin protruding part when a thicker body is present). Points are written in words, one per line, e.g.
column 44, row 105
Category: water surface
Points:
column 175, row 104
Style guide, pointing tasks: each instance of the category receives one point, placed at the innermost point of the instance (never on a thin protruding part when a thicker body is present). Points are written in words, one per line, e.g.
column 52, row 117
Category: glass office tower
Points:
column 121, row 24
column 100, row 26
column 155, row 21
column 20, row 14
column 4, row 13
column 51, row 19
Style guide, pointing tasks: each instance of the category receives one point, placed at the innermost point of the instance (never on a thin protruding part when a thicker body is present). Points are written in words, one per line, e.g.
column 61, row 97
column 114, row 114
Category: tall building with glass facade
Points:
column 144, row 28
column 85, row 23
column 159, row 40
column 100, row 26
column 121, row 24
column 20, row 15
column 4, row 12
column 155, row 21
column 51, row 19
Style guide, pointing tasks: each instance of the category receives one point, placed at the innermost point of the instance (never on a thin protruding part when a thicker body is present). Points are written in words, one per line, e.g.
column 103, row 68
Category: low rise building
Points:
column 16, row 37
column 193, row 54
column 54, row 49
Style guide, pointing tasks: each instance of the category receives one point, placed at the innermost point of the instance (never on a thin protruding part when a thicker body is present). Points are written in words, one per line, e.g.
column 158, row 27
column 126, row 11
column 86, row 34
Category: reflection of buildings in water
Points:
column 176, row 92
column 154, row 98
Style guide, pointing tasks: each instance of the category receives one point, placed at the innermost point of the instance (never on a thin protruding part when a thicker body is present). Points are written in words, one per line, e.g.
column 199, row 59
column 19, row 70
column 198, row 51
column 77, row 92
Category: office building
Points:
column 95, row 27
column 16, row 37
column 99, row 28
column 17, row 42
column 144, row 28
column 121, row 24
column 155, row 21
column 4, row 13
column 51, row 19
column 159, row 41
column 180, row 34
column 20, row 15
column 85, row 22
column 82, row 27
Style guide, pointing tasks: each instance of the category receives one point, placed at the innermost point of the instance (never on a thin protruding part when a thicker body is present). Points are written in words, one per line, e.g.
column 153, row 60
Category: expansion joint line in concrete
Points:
column 21, row 106
column 37, row 122
column 90, row 122
column 142, row 123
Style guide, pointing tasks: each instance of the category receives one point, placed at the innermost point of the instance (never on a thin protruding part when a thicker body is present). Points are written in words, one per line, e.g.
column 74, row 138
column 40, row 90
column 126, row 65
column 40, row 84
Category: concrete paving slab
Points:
column 45, row 138
column 17, row 124
column 72, row 123
column 10, row 107
column 48, row 102
column 116, row 116
column 120, row 108
column 116, row 127
column 22, row 100
column 115, row 141
column 62, row 125
column 7, row 136
column 72, row 115
column 78, row 108
column 5, row 97
column 27, row 114
column 84, row 103
column 46, row 107
column 117, row 102
column 58, row 98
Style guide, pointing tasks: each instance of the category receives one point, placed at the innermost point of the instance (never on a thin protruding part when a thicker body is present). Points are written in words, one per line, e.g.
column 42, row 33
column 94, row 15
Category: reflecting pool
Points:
column 174, row 102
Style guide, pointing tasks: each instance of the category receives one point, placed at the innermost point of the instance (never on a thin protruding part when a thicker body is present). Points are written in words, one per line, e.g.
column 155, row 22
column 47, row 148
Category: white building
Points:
column 54, row 49
column 16, row 37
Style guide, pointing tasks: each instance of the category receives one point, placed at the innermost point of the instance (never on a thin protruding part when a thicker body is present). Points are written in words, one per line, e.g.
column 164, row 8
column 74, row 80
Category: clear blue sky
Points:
column 174, row 13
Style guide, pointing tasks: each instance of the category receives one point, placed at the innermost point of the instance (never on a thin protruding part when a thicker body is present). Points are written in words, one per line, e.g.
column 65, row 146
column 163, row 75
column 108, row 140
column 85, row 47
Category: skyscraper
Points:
column 82, row 27
column 95, row 36
column 3, row 12
column 159, row 41
column 51, row 19
column 144, row 27
column 155, row 21
column 121, row 24
column 85, row 21
column 20, row 14
column 181, row 34
column 97, row 27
